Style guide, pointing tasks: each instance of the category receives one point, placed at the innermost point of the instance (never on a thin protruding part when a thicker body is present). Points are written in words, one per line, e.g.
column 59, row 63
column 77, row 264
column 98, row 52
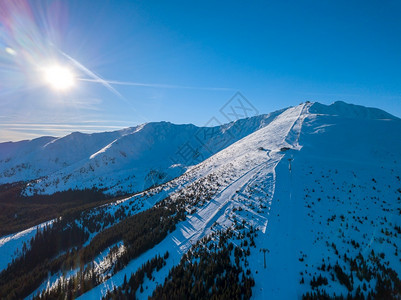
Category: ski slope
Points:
column 241, row 164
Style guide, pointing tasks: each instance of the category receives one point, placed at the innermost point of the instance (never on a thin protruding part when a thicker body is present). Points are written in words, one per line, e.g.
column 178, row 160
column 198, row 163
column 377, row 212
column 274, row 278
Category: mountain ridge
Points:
column 90, row 151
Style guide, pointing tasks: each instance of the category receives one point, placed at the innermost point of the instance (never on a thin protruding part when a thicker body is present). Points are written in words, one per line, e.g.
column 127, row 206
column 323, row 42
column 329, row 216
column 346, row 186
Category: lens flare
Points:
column 10, row 51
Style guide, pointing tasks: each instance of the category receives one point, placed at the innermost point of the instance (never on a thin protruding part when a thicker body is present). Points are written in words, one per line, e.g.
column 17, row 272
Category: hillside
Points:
column 304, row 203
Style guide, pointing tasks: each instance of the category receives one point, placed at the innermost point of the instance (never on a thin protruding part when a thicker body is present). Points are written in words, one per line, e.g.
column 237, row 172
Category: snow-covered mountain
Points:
column 309, row 197
column 124, row 161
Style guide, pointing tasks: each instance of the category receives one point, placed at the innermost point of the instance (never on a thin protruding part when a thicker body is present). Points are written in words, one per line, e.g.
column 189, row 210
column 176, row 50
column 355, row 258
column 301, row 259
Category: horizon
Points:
column 181, row 63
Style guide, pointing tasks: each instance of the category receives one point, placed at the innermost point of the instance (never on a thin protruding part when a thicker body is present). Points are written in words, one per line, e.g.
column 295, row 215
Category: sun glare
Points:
column 59, row 77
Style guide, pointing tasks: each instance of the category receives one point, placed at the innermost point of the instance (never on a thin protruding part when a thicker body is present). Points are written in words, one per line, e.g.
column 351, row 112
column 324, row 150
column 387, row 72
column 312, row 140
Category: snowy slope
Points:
column 128, row 160
column 11, row 245
column 343, row 186
column 27, row 160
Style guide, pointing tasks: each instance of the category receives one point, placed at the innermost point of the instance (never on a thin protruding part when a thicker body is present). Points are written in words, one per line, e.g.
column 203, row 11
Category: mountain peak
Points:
column 352, row 111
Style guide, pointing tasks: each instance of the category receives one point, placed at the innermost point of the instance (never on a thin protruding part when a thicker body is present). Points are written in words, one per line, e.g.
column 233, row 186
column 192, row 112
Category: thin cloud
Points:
column 31, row 127
column 91, row 74
column 15, row 136
column 98, row 79
column 154, row 85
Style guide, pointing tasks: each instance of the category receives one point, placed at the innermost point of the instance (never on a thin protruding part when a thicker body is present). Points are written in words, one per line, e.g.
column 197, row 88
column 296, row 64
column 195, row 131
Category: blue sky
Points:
column 183, row 61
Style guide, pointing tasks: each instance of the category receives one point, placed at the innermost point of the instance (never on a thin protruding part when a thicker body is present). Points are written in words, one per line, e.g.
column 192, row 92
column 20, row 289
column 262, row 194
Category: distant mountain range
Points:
column 123, row 161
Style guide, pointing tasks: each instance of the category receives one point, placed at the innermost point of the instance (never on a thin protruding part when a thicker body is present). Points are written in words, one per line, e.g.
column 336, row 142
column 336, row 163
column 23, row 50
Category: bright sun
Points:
column 59, row 77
